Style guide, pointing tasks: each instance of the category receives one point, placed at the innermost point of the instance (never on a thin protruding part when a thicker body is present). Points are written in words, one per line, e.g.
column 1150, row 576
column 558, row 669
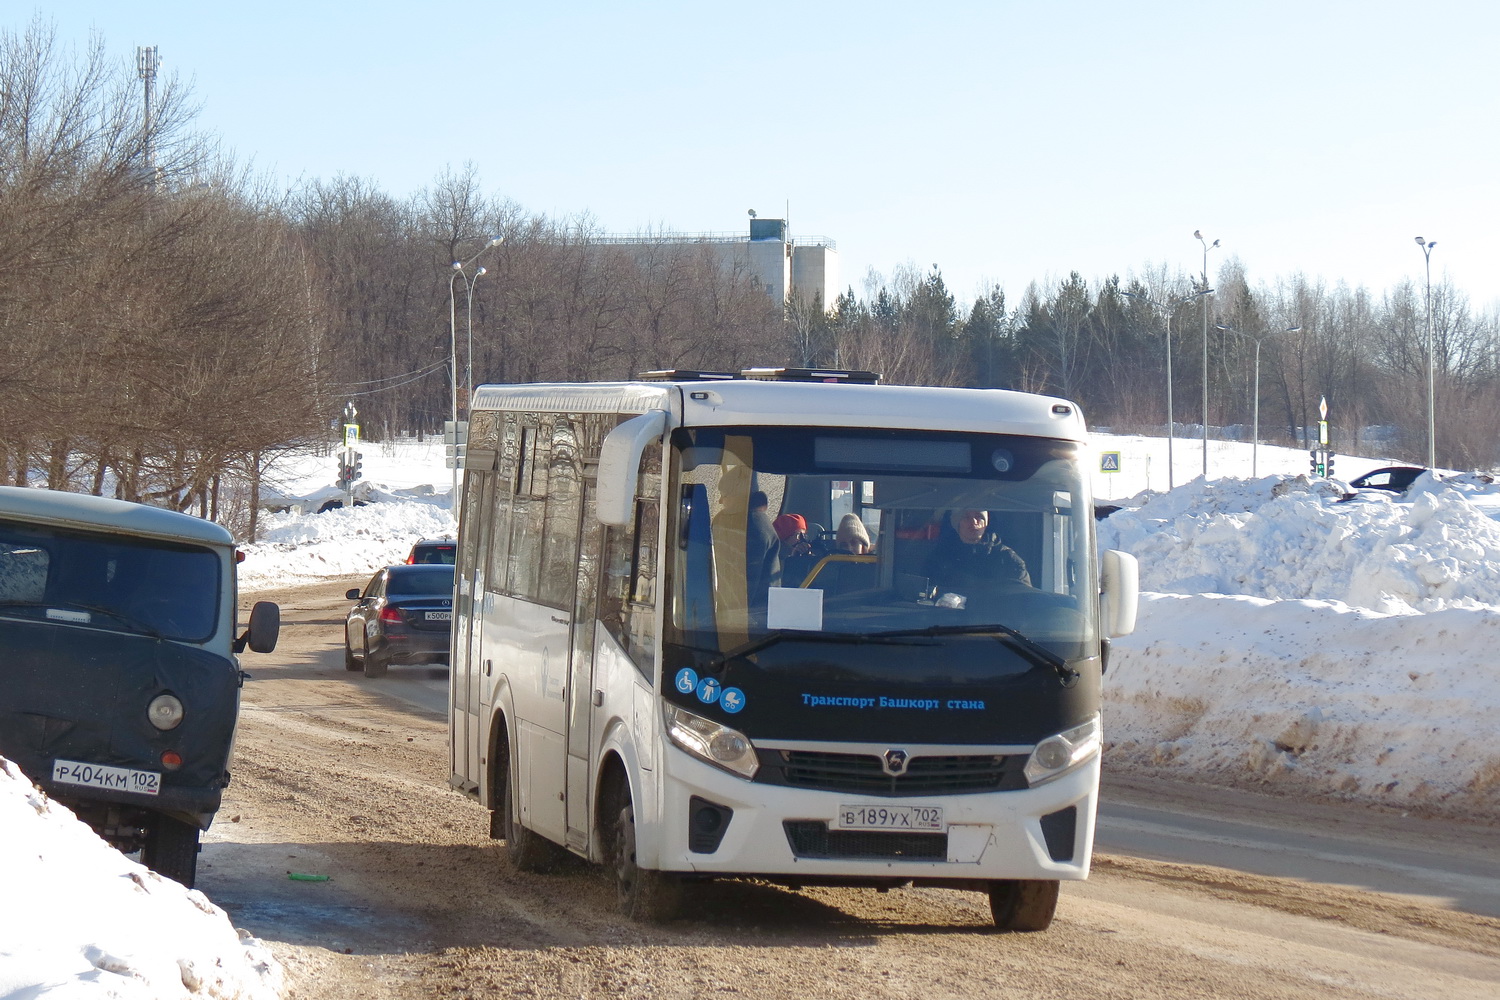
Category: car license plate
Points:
column 889, row 817
column 440, row 616
column 119, row 779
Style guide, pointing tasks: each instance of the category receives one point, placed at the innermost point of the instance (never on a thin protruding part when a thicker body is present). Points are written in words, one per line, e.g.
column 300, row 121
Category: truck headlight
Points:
column 1057, row 755
column 710, row 741
column 165, row 712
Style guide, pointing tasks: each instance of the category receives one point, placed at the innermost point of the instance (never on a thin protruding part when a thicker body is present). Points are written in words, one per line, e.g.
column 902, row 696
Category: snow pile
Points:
column 81, row 920
column 348, row 542
column 1311, row 698
column 1292, row 638
column 1289, row 539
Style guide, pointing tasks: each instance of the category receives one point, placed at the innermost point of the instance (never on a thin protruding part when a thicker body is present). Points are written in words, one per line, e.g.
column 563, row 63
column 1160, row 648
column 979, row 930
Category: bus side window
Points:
column 627, row 591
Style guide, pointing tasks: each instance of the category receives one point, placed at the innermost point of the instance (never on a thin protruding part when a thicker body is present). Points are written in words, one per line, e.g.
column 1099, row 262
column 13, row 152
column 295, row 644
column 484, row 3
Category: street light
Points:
column 458, row 268
column 1169, row 308
column 469, row 353
column 1427, row 246
column 1207, row 246
column 1255, row 405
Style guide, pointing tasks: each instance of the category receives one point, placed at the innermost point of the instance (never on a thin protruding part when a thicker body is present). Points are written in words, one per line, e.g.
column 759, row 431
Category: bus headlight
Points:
column 1057, row 755
column 165, row 712
column 709, row 741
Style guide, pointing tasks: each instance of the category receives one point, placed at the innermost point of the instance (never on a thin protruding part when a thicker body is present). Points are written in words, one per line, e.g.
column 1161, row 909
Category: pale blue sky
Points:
column 1004, row 141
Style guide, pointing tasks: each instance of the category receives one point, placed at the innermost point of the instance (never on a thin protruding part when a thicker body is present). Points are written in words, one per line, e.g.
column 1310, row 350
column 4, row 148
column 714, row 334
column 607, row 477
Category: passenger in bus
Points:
column 851, row 536
column 797, row 554
column 969, row 557
column 762, row 552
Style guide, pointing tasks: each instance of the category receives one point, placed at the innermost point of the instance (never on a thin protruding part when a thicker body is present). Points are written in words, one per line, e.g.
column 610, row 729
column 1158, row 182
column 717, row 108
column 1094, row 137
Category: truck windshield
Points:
column 819, row 533
column 108, row 581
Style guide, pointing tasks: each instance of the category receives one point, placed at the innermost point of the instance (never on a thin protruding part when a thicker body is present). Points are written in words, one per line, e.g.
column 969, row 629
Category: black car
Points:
column 404, row 615
column 1391, row 478
column 433, row 550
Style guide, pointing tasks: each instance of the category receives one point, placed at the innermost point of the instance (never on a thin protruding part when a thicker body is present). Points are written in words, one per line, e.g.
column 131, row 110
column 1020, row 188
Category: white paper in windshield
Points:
column 795, row 608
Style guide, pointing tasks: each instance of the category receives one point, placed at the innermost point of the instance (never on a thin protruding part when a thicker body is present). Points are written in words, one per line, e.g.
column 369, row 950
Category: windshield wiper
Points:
column 1022, row 643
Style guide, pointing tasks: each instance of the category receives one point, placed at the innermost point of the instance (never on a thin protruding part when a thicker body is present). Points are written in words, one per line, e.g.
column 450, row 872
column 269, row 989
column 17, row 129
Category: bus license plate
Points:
column 440, row 616
column 119, row 779
column 891, row 817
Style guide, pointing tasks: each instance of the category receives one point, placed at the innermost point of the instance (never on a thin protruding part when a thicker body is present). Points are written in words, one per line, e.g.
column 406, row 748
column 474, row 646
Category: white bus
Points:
column 640, row 680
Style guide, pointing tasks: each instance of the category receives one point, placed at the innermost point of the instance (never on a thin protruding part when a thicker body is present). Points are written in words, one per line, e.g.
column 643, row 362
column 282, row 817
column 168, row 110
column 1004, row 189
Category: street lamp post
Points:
column 469, row 353
column 1169, row 308
column 1207, row 246
column 458, row 269
column 1255, row 403
column 1427, row 246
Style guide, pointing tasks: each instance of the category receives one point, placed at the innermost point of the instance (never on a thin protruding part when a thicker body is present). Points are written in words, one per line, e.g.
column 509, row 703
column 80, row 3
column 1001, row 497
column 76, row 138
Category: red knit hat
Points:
column 789, row 524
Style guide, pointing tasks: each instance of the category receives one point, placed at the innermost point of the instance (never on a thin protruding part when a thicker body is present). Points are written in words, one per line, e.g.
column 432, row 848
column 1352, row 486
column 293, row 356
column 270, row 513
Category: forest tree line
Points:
column 170, row 324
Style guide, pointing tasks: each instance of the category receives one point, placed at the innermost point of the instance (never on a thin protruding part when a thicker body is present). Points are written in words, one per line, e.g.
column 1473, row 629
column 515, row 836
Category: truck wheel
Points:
column 646, row 895
column 171, row 850
column 1023, row 904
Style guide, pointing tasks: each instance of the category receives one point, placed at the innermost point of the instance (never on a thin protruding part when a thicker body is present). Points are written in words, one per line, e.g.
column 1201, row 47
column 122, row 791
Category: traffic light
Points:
column 354, row 471
column 346, row 476
column 1313, row 464
column 1328, row 466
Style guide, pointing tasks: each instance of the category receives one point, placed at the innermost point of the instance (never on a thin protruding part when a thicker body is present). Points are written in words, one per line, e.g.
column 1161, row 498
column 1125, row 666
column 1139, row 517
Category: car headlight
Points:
column 1057, row 755
column 710, row 741
column 165, row 712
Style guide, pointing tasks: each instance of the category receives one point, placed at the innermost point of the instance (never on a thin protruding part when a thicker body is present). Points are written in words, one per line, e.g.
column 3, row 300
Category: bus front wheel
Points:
column 645, row 894
column 1023, row 904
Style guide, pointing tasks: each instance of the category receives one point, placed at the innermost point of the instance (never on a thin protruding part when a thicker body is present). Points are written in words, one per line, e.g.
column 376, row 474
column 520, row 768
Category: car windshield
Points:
column 109, row 581
column 801, row 534
column 414, row 581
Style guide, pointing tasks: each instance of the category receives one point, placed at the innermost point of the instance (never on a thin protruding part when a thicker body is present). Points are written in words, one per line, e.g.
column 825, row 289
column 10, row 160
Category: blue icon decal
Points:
column 708, row 690
column 687, row 680
column 732, row 700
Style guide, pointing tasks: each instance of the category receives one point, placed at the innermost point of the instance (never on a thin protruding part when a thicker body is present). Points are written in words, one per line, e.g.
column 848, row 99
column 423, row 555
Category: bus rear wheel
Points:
column 527, row 851
column 645, row 895
column 1023, row 904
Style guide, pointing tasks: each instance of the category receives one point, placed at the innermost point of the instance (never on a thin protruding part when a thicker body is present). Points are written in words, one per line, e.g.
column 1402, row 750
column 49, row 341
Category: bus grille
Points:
column 862, row 774
column 813, row 839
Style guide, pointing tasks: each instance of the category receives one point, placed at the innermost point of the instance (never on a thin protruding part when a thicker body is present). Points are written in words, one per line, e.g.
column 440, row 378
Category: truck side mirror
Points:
column 264, row 628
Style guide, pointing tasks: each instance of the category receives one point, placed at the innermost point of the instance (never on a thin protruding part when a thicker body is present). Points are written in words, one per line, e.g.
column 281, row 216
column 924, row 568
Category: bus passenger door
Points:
column 580, row 696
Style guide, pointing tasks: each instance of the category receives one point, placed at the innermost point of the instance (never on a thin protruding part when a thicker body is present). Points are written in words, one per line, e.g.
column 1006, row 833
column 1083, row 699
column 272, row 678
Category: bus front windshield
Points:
column 822, row 533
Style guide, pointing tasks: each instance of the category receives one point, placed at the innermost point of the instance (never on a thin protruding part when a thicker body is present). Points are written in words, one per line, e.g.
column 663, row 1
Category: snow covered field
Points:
column 1288, row 640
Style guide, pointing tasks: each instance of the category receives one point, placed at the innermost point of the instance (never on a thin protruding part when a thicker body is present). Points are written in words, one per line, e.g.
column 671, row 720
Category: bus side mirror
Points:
column 619, row 461
column 264, row 628
column 1119, row 592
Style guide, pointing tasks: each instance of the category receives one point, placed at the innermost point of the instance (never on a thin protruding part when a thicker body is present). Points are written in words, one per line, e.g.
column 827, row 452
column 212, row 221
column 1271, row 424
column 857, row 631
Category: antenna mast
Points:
column 146, row 63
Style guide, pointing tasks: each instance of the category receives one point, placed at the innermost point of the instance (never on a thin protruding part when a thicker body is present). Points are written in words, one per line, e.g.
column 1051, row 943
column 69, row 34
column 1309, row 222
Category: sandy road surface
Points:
column 335, row 777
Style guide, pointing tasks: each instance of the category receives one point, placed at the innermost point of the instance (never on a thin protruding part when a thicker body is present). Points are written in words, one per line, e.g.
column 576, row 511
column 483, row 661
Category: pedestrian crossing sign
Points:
column 1109, row 461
